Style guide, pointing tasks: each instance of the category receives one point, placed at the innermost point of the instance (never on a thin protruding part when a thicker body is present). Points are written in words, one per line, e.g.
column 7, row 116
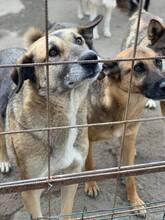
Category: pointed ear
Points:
column 87, row 30
column 112, row 70
column 155, row 30
column 20, row 74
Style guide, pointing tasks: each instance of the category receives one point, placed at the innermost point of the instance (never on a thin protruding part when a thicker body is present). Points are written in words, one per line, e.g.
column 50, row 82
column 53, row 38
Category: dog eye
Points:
column 79, row 41
column 139, row 68
column 53, row 52
column 158, row 63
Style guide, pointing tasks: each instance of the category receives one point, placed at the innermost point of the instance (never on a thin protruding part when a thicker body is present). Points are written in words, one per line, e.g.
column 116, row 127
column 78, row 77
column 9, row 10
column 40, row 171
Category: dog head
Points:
column 156, row 34
column 85, row 30
column 146, row 77
column 70, row 44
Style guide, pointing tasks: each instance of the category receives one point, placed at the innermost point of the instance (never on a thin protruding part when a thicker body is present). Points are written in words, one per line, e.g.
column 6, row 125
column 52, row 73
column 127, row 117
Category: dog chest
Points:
column 70, row 153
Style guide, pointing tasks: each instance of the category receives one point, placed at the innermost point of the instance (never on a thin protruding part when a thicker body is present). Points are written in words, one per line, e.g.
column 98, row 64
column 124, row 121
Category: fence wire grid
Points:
column 101, row 174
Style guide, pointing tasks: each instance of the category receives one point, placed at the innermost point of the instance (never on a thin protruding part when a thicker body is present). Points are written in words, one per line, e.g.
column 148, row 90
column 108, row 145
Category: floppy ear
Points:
column 20, row 74
column 112, row 70
column 87, row 30
column 155, row 30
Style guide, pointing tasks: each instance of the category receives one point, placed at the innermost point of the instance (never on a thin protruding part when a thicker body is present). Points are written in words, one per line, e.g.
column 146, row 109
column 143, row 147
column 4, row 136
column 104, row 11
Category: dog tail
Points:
column 32, row 35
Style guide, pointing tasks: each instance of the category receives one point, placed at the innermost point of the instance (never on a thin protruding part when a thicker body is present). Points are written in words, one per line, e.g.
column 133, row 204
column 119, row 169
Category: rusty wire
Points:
column 79, row 62
column 67, row 179
column 127, row 104
column 47, row 101
column 118, row 213
column 141, row 169
column 26, row 130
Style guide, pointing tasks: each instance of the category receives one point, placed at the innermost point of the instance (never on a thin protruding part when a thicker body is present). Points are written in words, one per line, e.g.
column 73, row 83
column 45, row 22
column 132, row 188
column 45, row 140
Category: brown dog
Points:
column 107, row 103
column 27, row 109
column 151, row 34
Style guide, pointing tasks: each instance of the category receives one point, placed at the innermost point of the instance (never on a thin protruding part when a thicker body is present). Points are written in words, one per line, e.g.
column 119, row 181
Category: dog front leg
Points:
column 67, row 200
column 4, row 160
column 107, row 21
column 93, row 13
column 146, row 5
column 128, row 159
column 91, row 188
column 31, row 200
column 86, row 4
column 162, row 106
column 80, row 9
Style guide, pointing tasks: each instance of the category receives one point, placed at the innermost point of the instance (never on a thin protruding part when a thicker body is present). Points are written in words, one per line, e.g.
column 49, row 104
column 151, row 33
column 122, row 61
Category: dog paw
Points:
column 139, row 207
column 95, row 33
column 107, row 34
column 80, row 16
column 92, row 189
column 151, row 104
column 96, row 36
column 5, row 166
column 87, row 13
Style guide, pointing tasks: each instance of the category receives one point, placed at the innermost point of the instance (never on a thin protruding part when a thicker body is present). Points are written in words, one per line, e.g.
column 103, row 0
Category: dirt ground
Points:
column 15, row 18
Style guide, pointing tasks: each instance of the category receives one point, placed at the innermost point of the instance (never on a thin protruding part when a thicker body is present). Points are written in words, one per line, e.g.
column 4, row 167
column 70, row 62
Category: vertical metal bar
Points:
column 128, row 101
column 48, row 107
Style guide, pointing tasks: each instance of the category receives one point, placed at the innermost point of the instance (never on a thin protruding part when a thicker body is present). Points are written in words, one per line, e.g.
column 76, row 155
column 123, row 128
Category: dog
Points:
column 107, row 101
column 90, row 7
column 134, row 4
column 151, row 34
column 7, row 56
column 68, row 86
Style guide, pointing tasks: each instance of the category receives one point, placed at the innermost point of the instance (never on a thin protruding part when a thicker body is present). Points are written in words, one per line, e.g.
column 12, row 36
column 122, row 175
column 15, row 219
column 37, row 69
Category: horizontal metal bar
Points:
column 78, row 62
column 67, row 179
column 125, row 212
column 119, row 213
column 84, row 125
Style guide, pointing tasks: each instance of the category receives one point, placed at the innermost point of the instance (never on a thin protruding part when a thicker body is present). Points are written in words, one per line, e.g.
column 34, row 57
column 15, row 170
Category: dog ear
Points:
column 155, row 30
column 112, row 70
column 87, row 30
column 32, row 35
column 20, row 74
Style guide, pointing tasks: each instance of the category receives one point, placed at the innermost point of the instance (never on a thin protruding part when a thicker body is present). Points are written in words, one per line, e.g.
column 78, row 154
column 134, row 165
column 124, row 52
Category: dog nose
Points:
column 162, row 85
column 90, row 55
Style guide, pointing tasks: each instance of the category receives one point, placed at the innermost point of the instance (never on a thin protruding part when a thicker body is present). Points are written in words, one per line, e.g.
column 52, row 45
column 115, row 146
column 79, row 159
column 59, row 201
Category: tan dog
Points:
column 151, row 34
column 107, row 103
column 68, row 89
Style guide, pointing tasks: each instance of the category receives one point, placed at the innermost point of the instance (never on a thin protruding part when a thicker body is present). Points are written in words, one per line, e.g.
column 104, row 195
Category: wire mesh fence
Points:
column 117, row 172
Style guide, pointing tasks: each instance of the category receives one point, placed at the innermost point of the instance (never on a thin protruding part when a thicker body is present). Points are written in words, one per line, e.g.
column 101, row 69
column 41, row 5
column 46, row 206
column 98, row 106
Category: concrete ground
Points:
column 15, row 17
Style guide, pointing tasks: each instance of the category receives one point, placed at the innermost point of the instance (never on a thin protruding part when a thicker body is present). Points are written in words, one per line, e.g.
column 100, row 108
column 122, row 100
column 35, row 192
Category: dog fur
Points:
column 107, row 101
column 27, row 109
column 90, row 7
column 151, row 34
column 7, row 56
column 134, row 5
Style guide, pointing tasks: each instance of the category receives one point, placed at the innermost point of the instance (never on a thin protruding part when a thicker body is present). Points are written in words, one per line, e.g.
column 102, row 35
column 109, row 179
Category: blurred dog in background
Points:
column 134, row 4
column 90, row 7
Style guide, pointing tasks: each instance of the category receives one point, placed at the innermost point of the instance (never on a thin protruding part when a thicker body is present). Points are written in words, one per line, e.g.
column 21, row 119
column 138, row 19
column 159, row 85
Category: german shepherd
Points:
column 107, row 101
column 27, row 109
column 151, row 34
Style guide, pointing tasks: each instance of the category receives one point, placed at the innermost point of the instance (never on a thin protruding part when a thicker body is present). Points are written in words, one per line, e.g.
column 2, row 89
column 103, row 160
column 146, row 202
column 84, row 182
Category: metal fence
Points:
column 117, row 172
